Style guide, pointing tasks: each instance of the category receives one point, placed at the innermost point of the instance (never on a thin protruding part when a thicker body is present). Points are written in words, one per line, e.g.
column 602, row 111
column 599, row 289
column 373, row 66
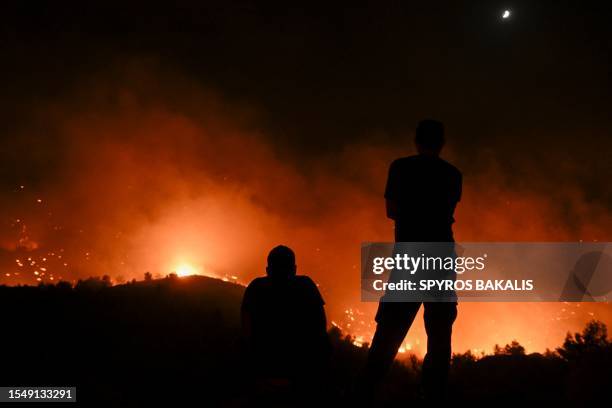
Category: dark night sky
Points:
column 322, row 75
column 343, row 68
column 535, row 88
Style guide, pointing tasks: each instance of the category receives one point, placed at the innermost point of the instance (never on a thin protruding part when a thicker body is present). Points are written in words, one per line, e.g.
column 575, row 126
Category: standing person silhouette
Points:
column 421, row 194
column 284, row 326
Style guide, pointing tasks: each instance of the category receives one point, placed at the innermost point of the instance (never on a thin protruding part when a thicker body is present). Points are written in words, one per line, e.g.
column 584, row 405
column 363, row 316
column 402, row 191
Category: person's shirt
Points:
column 426, row 190
column 286, row 320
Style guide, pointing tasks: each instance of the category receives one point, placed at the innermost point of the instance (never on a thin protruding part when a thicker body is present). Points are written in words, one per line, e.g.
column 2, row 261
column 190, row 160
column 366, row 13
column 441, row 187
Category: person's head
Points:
column 281, row 263
column 429, row 137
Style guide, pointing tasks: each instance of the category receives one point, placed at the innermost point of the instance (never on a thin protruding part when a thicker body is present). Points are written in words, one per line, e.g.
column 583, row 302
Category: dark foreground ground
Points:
column 176, row 342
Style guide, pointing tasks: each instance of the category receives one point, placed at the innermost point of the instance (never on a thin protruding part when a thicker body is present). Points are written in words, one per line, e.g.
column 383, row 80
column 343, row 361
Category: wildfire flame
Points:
column 186, row 269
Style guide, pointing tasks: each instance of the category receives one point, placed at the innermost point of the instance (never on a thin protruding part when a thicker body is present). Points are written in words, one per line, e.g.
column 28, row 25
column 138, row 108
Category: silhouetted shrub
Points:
column 512, row 349
column 593, row 339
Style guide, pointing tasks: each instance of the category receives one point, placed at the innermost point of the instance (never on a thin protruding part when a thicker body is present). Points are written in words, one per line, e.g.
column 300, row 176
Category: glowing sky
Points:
column 144, row 188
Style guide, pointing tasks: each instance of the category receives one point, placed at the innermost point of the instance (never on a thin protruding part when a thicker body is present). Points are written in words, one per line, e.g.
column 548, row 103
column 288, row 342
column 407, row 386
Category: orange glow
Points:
column 220, row 195
column 186, row 269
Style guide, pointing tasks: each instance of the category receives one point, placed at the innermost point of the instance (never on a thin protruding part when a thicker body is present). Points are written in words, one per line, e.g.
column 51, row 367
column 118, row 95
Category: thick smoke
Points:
column 129, row 174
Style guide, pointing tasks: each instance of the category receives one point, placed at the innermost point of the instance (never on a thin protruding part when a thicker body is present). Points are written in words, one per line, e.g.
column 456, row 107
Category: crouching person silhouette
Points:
column 285, row 330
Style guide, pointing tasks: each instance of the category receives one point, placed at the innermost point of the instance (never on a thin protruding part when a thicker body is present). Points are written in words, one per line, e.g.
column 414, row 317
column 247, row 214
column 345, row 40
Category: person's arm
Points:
column 316, row 303
column 391, row 208
column 321, row 319
column 319, row 323
column 391, row 192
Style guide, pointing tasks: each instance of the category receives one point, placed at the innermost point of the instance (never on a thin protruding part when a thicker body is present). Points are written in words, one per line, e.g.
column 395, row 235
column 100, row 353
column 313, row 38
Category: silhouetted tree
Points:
column 593, row 338
column 512, row 349
column 148, row 276
column 93, row 283
column 464, row 358
column 589, row 358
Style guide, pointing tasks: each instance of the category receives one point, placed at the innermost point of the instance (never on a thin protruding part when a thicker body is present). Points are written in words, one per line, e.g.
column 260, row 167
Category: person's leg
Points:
column 439, row 319
column 394, row 320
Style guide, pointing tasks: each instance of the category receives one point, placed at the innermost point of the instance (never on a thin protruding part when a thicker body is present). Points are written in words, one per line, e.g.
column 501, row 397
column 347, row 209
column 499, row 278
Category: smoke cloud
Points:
column 145, row 170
